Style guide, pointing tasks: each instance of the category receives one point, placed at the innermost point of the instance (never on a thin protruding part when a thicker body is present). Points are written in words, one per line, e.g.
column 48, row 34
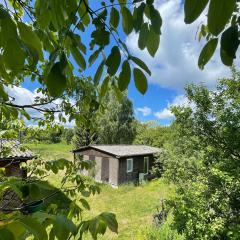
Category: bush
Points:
column 163, row 232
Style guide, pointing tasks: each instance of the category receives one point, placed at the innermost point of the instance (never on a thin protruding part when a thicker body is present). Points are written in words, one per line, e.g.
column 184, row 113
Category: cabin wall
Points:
column 106, row 166
column 138, row 167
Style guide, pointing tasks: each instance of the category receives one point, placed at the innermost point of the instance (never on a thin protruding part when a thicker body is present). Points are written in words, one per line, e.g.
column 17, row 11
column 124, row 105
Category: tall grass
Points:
column 162, row 232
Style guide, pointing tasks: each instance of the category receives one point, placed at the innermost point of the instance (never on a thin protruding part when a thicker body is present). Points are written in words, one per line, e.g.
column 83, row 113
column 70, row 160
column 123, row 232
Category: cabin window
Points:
column 146, row 165
column 129, row 165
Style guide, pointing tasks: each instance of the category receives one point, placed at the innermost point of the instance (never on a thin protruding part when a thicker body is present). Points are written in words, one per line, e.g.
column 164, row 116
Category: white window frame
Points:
column 146, row 159
column 131, row 161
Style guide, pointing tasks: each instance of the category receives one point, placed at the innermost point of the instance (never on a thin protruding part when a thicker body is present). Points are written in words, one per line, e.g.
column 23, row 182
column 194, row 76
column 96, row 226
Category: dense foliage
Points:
column 151, row 134
column 114, row 124
column 202, row 159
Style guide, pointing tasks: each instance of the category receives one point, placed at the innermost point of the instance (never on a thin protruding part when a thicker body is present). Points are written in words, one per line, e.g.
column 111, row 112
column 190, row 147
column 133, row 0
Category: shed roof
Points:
column 123, row 150
column 12, row 149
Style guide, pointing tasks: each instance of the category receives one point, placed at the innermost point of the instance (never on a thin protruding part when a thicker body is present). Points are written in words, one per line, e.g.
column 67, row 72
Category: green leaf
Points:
column 140, row 80
column 127, row 20
column 114, row 17
column 85, row 203
column 193, row 9
column 101, row 37
column 226, row 60
column 143, row 36
column 6, row 234
column 13, row 48
column 153, row 42
column 25, row 114
column 34, row 191
column 3, row 71
column 219, row 13
column 207, row 52
column 99, row 73
column 78, row 57
column 138, row 17
column 56, row 81
column 8, row 26
column 156, row 20
column 62, row 227
column 104, row 87
column 113, row 61
column 125, row 76
column 17, row 229
column 230, row 41
column 83, row 14
column 93, row 57
column 29, row 37
column 111, row 221
column 34, row 227
column 141, row 64
column 3, row 94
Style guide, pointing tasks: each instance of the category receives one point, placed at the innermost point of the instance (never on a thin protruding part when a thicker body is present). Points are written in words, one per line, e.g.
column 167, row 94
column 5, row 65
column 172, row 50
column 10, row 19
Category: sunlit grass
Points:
column 134, row 206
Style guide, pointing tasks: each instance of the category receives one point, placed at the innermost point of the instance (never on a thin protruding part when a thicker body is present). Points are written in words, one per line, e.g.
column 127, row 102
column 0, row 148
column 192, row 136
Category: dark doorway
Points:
column 105, row 170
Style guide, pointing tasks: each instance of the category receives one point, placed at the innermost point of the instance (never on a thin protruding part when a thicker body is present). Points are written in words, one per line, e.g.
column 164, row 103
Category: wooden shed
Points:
column 12, row 154
column 118, row 164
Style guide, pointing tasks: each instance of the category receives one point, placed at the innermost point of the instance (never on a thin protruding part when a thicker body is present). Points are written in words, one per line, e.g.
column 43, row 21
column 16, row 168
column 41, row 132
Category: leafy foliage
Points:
column 151, row 134
column 222, row 23
column 115, row 124
column 203, row 161
column 46, row 40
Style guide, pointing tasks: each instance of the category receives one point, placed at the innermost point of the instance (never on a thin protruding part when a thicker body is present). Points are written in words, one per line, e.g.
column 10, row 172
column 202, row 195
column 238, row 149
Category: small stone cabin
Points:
column 12, row 154
column 117, row 164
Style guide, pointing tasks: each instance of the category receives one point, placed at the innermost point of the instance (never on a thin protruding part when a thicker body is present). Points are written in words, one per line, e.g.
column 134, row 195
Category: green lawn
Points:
column 52, row 151
column 134, row 206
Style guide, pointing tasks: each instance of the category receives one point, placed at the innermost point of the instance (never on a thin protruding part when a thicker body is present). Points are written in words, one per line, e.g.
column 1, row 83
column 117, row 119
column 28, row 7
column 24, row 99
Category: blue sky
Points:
column 174, row 66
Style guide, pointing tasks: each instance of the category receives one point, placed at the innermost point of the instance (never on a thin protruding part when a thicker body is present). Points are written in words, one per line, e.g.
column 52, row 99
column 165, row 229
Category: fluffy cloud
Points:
column 166, row 114
column 175, row 63
column 145, row 111
column 23, row 96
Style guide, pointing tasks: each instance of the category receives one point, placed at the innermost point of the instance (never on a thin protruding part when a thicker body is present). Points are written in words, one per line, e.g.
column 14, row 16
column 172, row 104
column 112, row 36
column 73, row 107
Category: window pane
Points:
column 146, row 164
column 129, row 165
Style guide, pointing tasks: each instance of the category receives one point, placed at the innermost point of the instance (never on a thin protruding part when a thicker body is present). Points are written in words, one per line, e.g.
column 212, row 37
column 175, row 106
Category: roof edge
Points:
column 108, row 153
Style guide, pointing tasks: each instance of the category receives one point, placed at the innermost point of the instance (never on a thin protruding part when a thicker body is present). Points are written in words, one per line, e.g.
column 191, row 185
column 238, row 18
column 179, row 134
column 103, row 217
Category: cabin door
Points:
column 105, row 170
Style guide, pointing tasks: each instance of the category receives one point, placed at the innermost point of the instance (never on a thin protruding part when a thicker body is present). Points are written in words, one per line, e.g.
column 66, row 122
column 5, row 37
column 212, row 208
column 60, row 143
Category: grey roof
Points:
column 123, row 150
column 12, row 149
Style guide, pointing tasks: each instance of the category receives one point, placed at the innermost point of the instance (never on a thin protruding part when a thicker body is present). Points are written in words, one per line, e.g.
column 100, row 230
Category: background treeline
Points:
column 113, row 124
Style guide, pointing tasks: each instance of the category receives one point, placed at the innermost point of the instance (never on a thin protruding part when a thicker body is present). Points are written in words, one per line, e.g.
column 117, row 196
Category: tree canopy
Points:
column 47, row 39
column 202, row 159
column 220, row 26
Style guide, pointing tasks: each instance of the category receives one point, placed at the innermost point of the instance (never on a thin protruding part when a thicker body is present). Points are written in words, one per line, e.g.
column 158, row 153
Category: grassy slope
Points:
column 134, row 206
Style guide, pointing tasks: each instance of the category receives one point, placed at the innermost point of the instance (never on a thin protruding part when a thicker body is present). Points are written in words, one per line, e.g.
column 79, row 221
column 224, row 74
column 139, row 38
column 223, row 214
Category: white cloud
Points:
column 23, row 96
column 166, row 114
column 176, row 62
column 146, row 111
